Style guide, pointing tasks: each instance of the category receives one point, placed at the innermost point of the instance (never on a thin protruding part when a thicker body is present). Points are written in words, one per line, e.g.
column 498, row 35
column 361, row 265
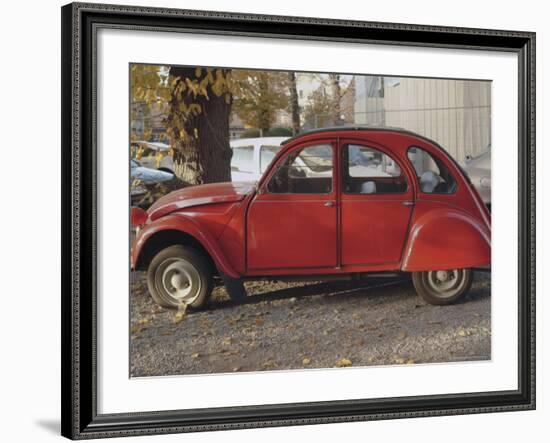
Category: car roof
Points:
column 257, row 141
column 344, row 128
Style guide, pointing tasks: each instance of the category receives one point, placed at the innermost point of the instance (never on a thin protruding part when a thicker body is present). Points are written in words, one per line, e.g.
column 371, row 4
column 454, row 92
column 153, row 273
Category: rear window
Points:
column 242, row 159
column 432, row 174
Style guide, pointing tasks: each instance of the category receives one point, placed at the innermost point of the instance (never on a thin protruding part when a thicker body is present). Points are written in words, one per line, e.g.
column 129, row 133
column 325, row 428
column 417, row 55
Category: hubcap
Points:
column 180, row 280
column 446, row 283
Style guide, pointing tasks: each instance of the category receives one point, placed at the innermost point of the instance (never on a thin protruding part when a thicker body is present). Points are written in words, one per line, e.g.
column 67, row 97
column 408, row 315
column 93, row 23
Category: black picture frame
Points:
column 79, row 172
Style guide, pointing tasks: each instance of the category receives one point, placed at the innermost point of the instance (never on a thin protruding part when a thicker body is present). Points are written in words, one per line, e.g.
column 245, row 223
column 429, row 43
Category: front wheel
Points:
column 180, row 276
column 442, row 287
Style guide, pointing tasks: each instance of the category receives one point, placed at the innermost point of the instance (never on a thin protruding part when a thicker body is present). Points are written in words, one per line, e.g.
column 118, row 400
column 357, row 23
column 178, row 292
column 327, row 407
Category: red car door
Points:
column 376, row 206
column 292, row 221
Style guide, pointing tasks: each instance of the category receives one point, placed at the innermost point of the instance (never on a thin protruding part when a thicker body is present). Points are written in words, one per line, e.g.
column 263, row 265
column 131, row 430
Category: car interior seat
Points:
column 368, row 187
column 429, row 181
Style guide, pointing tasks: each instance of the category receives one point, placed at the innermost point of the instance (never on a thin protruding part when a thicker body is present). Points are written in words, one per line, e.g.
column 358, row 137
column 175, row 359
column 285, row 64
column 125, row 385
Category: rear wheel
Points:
column 442, row 287
column 179, row 276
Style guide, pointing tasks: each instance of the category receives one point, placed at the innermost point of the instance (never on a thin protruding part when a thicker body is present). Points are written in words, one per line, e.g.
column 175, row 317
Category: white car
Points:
column 479, row 171
column 252, row 156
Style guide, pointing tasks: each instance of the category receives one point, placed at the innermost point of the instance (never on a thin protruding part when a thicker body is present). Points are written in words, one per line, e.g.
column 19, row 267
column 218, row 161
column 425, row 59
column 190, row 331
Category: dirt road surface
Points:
column 282, row 326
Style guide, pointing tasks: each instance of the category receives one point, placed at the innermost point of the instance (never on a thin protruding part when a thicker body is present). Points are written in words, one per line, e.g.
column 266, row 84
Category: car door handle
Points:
column 329, row 203
column 408, row 203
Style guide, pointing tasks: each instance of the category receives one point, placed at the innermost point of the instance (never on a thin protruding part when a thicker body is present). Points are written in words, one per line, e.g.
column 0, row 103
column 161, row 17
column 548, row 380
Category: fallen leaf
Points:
column 259, row 321
column 400, row 360
column 227, row 341
column 343, row 362
column 178, row 317
column 463, row 333
column 236, row 369
column 270, row 364
column 410, row 361
column 230, row 352
column 306, row 361
column 195, row 355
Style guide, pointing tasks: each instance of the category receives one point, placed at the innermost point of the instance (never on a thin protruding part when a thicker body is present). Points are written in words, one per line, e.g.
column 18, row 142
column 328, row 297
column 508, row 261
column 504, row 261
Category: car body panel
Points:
column 250, row 232
column 189, row 225
column 198, row 196
column 446, row 236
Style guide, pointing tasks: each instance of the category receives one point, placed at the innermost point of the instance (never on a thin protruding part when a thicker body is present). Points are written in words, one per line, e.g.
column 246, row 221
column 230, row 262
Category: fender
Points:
column 446, row 239
column 185, row 224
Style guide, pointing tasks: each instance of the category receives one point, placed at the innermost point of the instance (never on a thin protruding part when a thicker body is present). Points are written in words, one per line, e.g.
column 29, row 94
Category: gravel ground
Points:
column 283, row 326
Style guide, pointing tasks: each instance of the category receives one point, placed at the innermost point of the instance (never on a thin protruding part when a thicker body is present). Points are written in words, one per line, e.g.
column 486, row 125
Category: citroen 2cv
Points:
column 334, row 203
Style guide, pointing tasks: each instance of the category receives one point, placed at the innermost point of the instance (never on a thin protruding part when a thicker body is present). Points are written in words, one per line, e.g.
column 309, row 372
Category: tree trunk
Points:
column 336, row 97
column 294, row 106
column 200, row 140
column 264, row 112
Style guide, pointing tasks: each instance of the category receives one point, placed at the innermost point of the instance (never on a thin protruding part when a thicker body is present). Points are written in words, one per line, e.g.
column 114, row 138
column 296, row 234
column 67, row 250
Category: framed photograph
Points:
column 273, row 221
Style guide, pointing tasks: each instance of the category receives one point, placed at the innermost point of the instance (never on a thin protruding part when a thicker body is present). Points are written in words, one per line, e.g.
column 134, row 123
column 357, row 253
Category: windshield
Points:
column 267, row 154
column 317, row 158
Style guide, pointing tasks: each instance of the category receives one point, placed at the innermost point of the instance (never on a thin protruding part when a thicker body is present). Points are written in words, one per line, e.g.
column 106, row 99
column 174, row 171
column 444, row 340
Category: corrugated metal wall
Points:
column 454, row 113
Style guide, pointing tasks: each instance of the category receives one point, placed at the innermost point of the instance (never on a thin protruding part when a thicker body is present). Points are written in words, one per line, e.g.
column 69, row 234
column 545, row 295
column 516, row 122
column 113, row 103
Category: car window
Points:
column 304, row 171
column 242, row 159
column 432, row 174
column 267, row 154
column 370, row 171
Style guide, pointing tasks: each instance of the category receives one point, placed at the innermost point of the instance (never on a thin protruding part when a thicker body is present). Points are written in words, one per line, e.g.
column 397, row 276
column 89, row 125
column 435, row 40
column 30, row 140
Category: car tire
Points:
column 180, row 276
column 442, row 287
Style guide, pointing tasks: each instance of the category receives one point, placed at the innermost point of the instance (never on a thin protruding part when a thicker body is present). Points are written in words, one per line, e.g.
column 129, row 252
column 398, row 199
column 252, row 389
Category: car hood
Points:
column 148, row 175
column 200, row 195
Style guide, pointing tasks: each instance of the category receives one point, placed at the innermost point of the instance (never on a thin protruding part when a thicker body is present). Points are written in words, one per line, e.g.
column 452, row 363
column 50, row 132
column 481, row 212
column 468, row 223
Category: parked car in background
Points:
column 479, row 171
column 154, row 155
column 252, row 156
column 140, row 175
column 334, row 203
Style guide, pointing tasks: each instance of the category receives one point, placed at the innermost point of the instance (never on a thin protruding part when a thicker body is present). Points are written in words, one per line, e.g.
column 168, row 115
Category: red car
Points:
column 334, row 203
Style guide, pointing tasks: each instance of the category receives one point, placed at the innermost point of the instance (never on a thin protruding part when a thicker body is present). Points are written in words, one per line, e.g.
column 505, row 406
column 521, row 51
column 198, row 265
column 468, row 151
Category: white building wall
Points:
column 454, row 113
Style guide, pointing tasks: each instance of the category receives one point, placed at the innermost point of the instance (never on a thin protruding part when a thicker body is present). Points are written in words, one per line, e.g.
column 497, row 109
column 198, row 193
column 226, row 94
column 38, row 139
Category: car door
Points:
column 376, row 205
column 292, row 221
